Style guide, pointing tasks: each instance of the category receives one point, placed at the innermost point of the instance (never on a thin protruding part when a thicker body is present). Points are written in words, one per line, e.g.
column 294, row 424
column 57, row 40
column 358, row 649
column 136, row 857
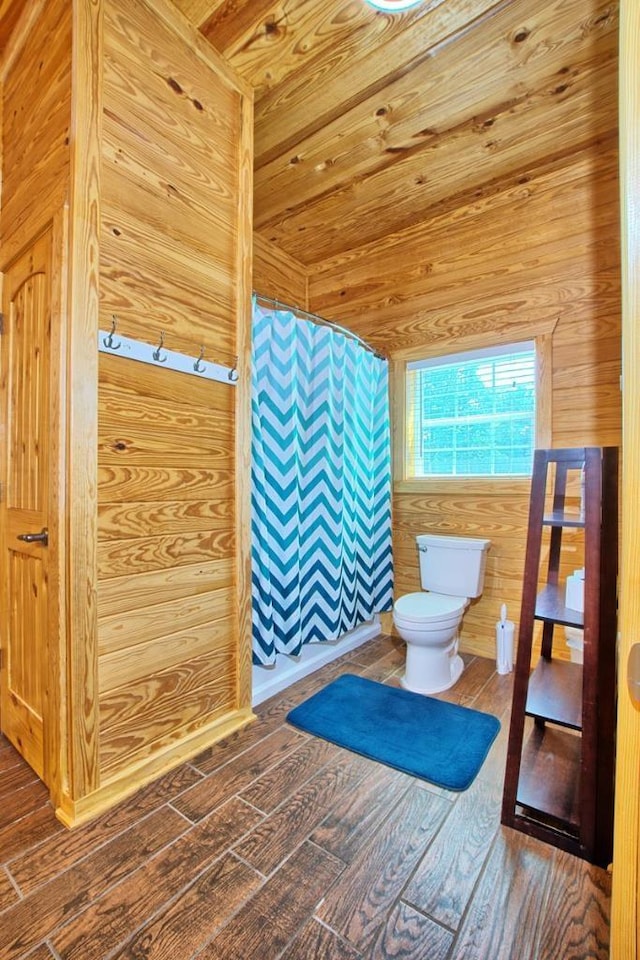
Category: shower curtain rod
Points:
column 322, row 320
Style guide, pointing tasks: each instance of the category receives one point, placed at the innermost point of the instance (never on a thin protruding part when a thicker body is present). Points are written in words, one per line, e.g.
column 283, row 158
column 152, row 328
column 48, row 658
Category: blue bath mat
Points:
column 437, row 741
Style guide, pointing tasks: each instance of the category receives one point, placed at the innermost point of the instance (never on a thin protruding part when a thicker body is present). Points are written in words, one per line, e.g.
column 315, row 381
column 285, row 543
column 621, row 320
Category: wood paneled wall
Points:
column 35, row 177
column 277, row 275
column 125, row 130
column 542, row 246
column 175, row 128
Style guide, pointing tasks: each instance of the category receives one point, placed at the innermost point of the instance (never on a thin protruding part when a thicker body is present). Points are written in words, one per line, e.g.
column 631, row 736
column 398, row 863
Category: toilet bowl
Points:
column 429, row 621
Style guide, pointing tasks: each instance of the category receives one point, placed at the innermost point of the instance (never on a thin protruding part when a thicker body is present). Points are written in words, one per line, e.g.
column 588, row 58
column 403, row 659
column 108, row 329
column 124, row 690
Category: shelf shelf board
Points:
column 555, row 693
column 559, row 518
column 550, row 606
column 550, row 776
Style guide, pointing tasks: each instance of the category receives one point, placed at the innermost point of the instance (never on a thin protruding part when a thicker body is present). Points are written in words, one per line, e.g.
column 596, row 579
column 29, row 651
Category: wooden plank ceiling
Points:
column 368, row 122
column 10, row 12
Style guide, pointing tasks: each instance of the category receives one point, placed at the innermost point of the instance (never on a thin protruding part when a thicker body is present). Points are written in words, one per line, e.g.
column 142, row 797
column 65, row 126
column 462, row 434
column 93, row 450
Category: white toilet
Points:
column 452, row 570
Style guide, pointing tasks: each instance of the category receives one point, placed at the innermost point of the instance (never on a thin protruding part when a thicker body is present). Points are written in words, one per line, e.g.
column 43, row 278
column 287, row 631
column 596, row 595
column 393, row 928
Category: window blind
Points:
column 472, row 414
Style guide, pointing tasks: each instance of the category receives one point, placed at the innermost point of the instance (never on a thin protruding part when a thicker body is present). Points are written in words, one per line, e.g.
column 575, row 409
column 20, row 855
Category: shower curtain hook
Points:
column 108, row 341
column 156, row 353
column 233, row 373
column 198, row 366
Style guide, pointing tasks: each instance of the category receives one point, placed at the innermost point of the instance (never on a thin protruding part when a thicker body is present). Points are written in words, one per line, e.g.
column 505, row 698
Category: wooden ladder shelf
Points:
column 560, row 762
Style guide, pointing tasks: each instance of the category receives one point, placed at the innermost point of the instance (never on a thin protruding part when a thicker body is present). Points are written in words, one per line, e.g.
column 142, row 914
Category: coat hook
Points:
column 198, row 366
column 108, row 341
column 156, row 353
column 233, row 373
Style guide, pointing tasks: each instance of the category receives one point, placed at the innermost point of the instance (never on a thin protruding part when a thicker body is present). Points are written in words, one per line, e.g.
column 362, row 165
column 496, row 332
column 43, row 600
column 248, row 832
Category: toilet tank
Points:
column 452, row 565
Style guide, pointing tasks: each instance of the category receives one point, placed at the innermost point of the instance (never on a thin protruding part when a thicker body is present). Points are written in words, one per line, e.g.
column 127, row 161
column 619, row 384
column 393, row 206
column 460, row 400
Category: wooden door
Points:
column 24, row 507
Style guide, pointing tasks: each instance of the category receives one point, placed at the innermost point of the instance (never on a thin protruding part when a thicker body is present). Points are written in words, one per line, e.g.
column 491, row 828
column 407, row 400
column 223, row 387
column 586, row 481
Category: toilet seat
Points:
column 428, row 607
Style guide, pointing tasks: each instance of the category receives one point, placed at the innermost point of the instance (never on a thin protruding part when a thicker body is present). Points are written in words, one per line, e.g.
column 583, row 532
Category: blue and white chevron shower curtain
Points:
column 321, row 484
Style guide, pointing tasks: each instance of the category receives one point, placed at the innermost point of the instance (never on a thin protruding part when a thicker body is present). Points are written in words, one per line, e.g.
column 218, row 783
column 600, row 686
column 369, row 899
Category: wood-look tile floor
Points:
column 274, row 844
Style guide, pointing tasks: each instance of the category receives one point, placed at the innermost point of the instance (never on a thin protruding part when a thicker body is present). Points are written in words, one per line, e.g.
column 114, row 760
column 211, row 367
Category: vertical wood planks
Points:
column 82, row 386
column 244, row 271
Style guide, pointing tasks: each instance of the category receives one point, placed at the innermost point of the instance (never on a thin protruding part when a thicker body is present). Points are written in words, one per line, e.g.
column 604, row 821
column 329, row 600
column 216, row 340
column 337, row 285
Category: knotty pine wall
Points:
column 277, row 275
column 124, row 128
column 176, row 137
column 542, row 247
column 35, row 171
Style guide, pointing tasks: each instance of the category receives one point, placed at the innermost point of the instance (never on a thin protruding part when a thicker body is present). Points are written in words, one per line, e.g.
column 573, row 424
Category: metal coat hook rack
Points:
column 108, row 341
column 156, row 353
column 161, row 356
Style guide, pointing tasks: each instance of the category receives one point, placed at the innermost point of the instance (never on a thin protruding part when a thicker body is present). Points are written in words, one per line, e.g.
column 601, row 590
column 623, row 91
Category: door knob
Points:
column 42, row 537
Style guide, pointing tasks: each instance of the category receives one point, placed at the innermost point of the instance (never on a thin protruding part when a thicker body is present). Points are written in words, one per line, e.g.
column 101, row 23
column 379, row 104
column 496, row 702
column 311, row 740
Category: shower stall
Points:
column 322, row 566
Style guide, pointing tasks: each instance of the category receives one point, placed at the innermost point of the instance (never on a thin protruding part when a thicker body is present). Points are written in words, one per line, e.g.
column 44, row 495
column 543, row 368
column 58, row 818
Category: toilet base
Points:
column 438, row 686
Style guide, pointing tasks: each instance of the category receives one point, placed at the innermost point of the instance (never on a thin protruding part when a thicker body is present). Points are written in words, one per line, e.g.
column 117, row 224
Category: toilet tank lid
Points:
column 453, row 543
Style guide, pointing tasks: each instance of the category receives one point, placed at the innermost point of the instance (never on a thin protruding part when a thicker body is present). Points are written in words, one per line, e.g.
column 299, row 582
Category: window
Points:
column 472, row 414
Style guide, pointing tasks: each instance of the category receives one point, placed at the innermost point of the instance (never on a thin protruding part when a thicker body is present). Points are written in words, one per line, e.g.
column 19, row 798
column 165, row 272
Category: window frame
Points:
column 542, row 336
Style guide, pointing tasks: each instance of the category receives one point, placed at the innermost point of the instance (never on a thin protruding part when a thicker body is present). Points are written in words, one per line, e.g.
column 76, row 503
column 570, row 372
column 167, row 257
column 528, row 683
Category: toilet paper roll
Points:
column 574, row 593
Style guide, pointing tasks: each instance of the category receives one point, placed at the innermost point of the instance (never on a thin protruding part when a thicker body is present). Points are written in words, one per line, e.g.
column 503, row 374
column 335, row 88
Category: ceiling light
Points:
column 394, row 5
